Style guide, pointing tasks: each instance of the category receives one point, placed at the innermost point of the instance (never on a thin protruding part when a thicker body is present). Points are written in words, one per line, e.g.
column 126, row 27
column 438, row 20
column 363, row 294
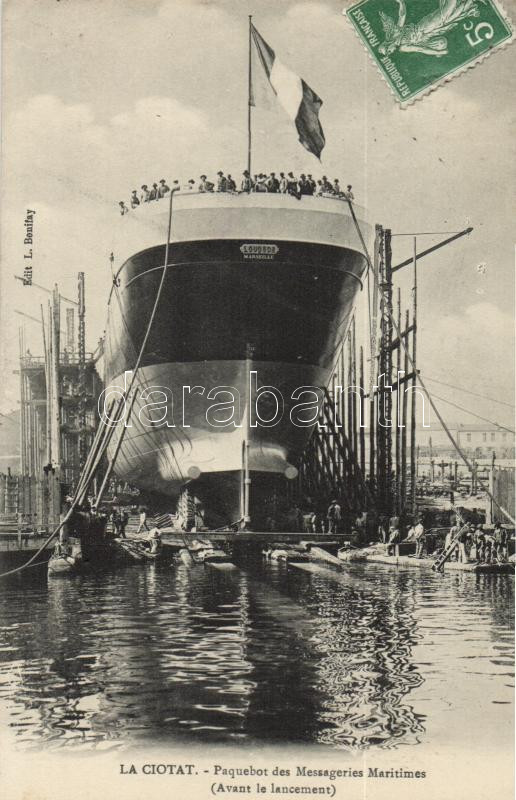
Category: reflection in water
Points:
column 352, row 659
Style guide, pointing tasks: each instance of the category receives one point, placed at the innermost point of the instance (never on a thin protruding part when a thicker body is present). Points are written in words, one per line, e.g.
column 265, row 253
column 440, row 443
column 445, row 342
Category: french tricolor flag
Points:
column 299, row 101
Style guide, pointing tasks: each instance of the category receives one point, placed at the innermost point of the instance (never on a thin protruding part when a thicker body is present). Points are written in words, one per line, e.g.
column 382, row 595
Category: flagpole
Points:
column 249, row 96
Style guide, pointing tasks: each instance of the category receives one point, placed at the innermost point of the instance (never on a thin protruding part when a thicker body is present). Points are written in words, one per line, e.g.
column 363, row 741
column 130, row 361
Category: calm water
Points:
column 367, row 657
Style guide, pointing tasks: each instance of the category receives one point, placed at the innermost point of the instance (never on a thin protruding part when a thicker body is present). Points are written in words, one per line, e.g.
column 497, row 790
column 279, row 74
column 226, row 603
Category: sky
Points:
column 100, row 96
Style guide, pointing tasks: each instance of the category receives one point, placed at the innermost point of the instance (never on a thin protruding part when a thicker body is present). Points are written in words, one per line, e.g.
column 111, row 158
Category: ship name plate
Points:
column 259, row 250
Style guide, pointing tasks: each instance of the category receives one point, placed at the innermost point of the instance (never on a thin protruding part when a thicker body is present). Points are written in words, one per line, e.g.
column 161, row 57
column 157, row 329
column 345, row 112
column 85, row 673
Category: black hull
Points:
column 227, row 307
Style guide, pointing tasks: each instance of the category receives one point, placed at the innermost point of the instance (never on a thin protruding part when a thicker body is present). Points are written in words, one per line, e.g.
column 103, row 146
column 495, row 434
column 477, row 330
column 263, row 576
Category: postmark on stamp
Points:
column 420, row 44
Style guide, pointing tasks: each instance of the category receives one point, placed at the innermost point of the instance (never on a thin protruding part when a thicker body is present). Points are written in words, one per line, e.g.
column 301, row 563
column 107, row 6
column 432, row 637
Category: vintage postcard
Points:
column 257, row 411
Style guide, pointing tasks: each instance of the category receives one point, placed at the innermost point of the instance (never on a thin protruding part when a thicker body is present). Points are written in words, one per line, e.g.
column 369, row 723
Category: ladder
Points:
column 438, row 565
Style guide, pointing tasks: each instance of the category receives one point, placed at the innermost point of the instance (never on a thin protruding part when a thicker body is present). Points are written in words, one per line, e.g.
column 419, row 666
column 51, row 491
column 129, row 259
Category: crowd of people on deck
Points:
column 281, row 183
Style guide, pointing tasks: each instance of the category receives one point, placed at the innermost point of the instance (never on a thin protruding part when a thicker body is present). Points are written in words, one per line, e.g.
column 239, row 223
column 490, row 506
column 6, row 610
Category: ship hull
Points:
column 234, row 316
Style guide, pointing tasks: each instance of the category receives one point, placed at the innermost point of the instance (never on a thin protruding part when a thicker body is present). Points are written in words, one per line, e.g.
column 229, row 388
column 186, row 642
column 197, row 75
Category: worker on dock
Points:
column 419, row 537
column 480, row 543
column 334, row 516
column 123, row 519
column 383, row 528
column 143, row 520
column 154, row 538
column 489, row 547
column 394, row 537
column 500, row 542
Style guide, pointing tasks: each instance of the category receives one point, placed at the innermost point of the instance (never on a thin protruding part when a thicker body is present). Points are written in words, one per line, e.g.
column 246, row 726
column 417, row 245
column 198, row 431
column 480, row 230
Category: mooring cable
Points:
column 82, row 485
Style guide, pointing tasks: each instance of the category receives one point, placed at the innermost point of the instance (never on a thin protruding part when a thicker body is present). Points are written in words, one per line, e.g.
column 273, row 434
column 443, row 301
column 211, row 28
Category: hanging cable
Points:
column 473, row 414
column 468, row 391
column 101, row 434
column 140, row 355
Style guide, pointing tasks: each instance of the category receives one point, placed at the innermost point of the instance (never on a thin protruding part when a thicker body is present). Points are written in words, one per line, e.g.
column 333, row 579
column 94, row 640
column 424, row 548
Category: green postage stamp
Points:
column 420, row 44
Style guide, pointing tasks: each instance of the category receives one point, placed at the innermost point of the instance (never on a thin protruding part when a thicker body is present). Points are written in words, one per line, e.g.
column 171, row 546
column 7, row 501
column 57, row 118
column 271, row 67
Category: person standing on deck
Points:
column 326, row 185
column 204, row 184
column 334, row 517
column 283, row 183
column 273, row 184
column 230, row 184
column 222, row 183
column 145, row 195
column 143, row 520
column 134, row 199
column 292, row 186
column 163, row 189
column 247, row 183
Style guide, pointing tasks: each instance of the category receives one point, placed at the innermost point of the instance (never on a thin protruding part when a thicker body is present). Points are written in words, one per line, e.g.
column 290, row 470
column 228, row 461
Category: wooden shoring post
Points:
column 361, row 416
column 399, row 420
column 373, row 356
column 342, row 406
column 384, row 431
column 56, row 412
column 353, row 393
column 81, row 357
column 413, row 405
column 30, row 426
column 23, row 436
column 349, row 394
column 372, row 443
column 335, row 383
column 404, row 423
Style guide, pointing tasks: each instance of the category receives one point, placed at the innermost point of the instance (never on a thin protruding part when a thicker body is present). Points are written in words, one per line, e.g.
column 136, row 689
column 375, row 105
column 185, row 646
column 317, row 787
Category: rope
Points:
column 474, row 414
column 140, row 355
column 103, row 436
column 418, row 374
column 468, row 391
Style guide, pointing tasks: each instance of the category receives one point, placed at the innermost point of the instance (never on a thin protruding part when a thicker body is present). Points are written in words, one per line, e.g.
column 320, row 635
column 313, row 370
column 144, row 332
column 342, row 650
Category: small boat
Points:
column 215, row 556
column 66, row 558
column 186, row 557
column 135, row 551
column 289, row 556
